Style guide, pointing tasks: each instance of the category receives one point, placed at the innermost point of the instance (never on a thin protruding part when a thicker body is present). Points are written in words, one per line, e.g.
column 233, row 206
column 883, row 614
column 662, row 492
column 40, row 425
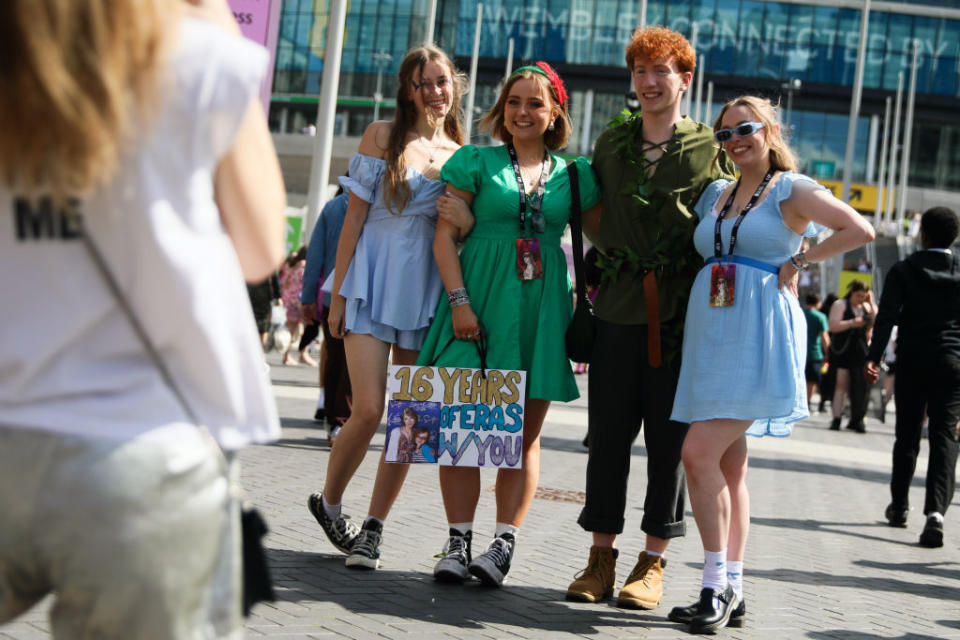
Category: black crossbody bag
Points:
column 582, row 329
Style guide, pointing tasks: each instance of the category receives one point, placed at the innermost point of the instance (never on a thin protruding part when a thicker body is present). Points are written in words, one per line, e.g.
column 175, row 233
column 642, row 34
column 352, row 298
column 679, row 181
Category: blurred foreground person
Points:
column 137, row 125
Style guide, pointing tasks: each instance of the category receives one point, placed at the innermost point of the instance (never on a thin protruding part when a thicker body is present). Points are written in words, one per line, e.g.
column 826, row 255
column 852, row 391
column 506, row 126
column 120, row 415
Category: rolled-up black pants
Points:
column 625, row 394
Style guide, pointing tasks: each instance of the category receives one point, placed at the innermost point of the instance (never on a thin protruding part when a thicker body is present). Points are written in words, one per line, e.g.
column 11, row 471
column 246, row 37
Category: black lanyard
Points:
column 717, row 240
column 537, row 221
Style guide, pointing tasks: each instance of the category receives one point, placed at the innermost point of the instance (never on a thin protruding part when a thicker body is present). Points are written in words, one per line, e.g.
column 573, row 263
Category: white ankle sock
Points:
column 332, row 510
column 320, row 399
column 735, row 576
column 503, row 527
column 653, row 553
column 463, row 527
column 715, row 570
column 937, row 515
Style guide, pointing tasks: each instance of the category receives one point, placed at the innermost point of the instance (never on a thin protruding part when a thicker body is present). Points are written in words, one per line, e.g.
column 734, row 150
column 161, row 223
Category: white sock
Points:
column 503, row 527
column 937, row 515
column 320, row 399
column 376, row 521
column 715, row 570
column 735, row 576
column 463, row 527
column 332, row 510
column 653, row 553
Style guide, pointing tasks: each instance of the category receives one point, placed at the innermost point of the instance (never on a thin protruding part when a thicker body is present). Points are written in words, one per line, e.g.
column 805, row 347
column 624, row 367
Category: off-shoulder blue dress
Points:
column 746, row 361
column 392, row 284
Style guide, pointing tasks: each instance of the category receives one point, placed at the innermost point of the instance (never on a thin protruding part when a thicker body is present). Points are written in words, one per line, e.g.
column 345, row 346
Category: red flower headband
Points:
column 546, row 70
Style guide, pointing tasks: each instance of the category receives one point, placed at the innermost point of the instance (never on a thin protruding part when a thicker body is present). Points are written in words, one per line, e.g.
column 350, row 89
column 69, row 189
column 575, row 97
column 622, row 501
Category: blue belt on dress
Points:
column 750, row 262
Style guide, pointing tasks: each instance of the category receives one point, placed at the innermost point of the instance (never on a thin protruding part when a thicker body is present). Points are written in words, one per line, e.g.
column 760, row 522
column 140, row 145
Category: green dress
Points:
column 526, row 320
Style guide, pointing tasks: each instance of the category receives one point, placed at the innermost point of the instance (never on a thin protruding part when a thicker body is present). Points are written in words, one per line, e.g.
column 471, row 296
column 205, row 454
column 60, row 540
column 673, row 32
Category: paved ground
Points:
column 820, row 563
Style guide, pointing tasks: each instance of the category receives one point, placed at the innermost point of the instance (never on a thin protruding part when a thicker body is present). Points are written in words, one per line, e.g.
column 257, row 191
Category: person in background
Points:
column 890, row 373
column 828, row 381
column 291, row 284
column 261, row 295
column 850, row 320
column 333, row 401
column 136, row 126
column 921, row 295
column 385, row 285
column 744, row 354
column 521, row 198
column 652, row 168
column 818, row 342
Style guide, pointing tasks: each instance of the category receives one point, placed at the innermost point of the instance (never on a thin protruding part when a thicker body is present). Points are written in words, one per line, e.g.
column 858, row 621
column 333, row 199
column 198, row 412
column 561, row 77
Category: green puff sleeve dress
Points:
column 526, row 320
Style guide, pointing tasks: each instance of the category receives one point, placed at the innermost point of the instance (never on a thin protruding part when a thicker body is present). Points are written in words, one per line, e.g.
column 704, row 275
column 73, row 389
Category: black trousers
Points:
column 336, row 380
column 858, row 396
column 625, row 394
column 934, row 384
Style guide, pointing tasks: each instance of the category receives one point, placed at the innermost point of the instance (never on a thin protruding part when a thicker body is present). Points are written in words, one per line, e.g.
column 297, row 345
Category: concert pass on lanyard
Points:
column 722, row 280
column 529, row 266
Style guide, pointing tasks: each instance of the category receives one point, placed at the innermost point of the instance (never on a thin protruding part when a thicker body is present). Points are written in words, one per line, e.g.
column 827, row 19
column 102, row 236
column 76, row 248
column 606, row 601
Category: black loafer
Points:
column 710, row 618
column 684, row 615
column 895, row 517
column 932, row 535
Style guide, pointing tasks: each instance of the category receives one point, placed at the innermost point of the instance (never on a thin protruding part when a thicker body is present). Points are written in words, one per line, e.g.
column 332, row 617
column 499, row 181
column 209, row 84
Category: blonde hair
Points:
column 493, row 125
column 397, row 191
column 74, row 76
column 782, row 156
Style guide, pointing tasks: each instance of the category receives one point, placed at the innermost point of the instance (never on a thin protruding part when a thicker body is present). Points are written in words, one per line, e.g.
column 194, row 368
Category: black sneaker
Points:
column 366, row 550
column 341, row 533
column 492, row 566
column 319, row 415
column 835, row 424
column 932, row 535
column 895, row 517
column 452, row 566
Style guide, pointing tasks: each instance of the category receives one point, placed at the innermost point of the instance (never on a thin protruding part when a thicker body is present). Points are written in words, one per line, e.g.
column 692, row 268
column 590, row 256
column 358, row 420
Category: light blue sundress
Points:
column 746, row 361
column 392, row 285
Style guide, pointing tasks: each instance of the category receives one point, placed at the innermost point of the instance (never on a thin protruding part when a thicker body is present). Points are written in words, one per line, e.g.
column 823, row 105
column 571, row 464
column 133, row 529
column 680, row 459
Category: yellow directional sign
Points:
column 863, row 197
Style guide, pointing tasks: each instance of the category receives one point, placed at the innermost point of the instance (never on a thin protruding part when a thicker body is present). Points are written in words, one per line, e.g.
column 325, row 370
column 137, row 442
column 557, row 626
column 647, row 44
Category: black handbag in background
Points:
column 580, row 333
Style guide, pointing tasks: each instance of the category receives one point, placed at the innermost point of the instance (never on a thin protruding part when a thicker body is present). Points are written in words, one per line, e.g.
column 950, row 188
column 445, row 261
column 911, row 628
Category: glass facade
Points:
column 744, row 46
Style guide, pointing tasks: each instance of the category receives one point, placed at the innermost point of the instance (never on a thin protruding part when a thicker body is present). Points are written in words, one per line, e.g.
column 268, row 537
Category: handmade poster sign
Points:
column 455, row 416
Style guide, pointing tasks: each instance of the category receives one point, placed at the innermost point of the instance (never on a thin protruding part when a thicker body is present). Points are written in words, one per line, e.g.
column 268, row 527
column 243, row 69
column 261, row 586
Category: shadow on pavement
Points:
column 303, row 576
column 836, row 634
column 885, row 583
column 922, row 568
column 832, row 527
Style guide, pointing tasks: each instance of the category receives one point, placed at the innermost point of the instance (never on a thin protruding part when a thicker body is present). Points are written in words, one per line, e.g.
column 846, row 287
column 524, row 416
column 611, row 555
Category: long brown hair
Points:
column 397, row 191
column 782, row 156
column 74, row 76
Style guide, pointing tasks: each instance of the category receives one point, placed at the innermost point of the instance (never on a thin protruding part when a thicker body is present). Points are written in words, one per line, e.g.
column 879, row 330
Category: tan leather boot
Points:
column 596, row 581
column 644, row 588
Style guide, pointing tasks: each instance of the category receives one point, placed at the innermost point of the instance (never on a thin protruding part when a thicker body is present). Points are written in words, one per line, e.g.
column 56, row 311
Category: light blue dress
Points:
column 746, row 361
column 392, row 285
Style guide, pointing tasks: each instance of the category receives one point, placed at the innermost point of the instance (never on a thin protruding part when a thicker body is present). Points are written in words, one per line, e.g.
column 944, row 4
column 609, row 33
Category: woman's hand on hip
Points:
column 789, row 276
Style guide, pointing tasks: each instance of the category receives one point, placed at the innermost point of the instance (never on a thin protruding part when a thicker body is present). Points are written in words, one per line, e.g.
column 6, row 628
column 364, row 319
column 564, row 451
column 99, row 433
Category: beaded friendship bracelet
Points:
column 458, row 297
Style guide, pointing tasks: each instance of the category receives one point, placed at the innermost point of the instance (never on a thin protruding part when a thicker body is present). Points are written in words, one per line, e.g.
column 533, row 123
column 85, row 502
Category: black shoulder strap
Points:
column 576, row 231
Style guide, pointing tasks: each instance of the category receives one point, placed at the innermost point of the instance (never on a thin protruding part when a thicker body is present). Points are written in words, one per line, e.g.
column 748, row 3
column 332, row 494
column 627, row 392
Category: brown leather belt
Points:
column 653, row 318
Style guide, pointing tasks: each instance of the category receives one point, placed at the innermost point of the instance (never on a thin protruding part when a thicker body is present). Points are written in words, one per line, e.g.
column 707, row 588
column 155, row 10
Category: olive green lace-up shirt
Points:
column 634, row 237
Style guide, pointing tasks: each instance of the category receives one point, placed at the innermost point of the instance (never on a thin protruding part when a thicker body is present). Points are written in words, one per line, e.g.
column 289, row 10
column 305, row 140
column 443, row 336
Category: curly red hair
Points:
column 658, row 43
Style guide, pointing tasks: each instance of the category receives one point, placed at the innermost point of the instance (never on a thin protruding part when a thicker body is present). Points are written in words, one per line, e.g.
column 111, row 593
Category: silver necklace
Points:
column 427, row 148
